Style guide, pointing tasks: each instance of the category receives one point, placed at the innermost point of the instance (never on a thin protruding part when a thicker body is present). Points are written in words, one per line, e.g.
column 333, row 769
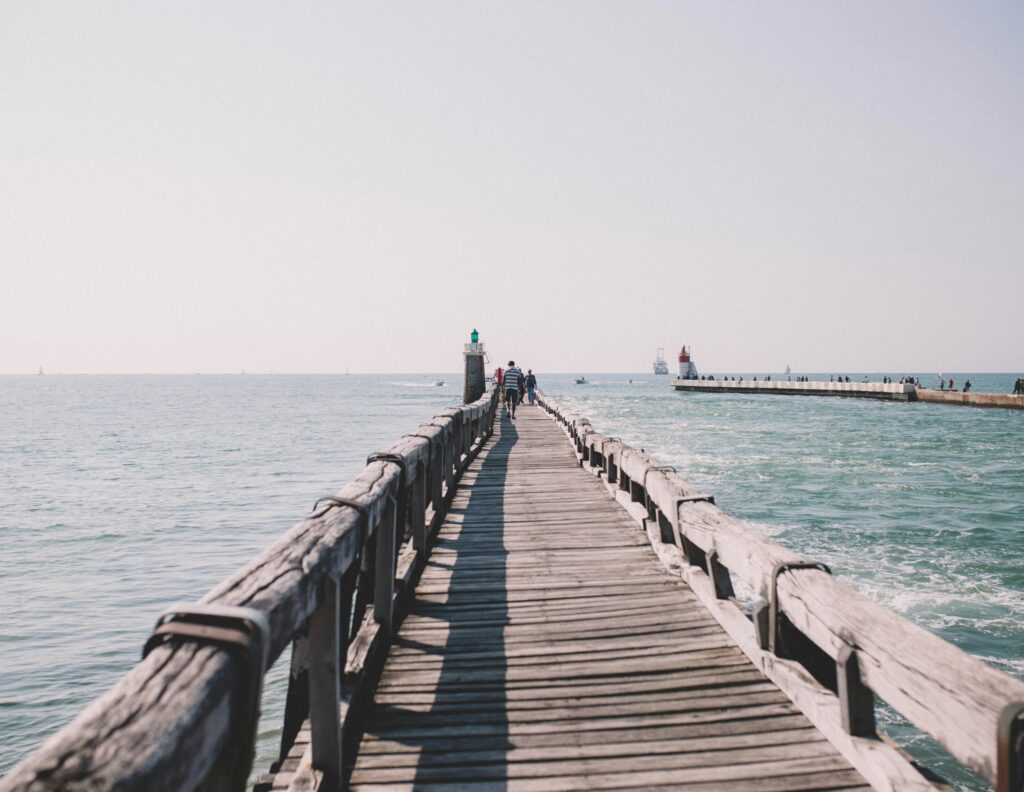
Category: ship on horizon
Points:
column 660, row 366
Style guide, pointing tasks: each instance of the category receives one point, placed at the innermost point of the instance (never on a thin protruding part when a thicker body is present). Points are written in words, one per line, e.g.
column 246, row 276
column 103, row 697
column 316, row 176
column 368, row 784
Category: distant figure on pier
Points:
column 512, row 380
column 531, row 386
column 522, row 390
column 498, row 376
column 967, row 386
column 1018, row 387
column 951, row 384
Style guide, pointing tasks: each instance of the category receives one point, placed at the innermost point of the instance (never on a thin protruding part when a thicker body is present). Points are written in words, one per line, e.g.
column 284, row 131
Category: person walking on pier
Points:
column 513, row 378
column 531, row 386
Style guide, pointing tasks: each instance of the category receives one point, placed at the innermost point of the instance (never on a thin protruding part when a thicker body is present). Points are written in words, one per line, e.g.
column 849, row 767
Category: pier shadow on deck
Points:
column 452, row 653
column 546, row 648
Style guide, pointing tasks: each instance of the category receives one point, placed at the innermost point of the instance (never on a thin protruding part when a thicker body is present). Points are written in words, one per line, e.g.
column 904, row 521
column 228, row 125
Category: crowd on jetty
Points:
column 943, row 384
column 515, row 386
column 831, row 378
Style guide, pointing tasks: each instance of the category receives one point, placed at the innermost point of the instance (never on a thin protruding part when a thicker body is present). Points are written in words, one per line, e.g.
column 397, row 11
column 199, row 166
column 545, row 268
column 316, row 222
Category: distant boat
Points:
column 660, row 366
column 581, row 380
column 439, row 383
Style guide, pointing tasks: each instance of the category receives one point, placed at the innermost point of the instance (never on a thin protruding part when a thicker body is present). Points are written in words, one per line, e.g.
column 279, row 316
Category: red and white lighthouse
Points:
column 687, row 370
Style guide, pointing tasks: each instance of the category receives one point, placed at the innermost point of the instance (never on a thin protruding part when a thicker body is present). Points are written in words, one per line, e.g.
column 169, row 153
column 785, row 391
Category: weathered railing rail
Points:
column 829, row 648
column 185, row 716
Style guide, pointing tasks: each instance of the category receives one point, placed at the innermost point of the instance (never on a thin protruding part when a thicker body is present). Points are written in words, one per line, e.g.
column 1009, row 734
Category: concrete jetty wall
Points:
column 870, row 390
column 864, row 390
column 970, row 399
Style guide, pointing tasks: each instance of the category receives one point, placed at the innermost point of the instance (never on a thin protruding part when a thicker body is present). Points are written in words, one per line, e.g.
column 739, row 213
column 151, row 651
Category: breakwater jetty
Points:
column 863, row 390
column 869, row 390
column 533, row 605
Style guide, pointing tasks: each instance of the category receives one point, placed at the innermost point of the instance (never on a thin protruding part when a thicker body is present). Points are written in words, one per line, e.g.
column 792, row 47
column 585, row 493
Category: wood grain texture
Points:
column 945, row 692
column 547, row 648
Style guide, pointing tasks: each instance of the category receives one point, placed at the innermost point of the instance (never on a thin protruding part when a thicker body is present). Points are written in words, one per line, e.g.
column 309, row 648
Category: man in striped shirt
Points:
column 513, row 376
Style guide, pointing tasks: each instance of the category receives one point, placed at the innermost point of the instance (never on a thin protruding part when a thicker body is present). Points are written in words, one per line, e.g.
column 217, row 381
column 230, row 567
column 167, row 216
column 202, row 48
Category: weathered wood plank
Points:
column 544, row 616
column 907, row 666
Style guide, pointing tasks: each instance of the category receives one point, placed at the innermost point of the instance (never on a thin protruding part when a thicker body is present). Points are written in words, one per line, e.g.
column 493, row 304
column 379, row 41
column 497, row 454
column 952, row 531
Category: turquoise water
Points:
column 121, row 495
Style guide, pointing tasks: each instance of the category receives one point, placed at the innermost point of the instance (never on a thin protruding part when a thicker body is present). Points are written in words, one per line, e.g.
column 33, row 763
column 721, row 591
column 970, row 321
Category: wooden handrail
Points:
column 171, row 721
column 955, row 697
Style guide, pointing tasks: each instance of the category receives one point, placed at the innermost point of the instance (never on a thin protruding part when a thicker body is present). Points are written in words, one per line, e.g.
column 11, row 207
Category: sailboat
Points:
column 787, row 368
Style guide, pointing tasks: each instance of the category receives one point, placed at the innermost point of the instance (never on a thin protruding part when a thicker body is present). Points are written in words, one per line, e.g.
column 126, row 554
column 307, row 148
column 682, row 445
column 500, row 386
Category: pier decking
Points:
column 533, row 605
column 537, row 654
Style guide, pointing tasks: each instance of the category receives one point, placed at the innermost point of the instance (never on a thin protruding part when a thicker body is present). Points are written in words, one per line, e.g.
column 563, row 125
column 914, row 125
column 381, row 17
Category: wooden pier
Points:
column 536, row 653
column 532, row 605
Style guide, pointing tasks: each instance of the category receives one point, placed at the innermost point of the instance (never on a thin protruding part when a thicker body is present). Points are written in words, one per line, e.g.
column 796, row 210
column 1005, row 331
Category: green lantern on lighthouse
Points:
column 474, row 336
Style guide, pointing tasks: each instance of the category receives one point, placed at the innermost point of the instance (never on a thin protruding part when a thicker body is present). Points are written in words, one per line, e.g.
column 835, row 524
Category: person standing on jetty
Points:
column 513, row 378
column 531, row 386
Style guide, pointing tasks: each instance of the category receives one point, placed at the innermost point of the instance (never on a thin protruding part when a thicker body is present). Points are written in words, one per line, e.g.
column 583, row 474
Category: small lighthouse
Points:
column 474, row 384
column 687, row 370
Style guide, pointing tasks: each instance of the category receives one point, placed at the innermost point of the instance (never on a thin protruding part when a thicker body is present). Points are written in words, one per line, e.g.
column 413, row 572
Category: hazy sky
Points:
column 321, row 186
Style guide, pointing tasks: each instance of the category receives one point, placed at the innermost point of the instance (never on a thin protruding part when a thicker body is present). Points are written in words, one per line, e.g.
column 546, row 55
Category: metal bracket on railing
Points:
column 332, row 502
column 773, row 602
column 1010, row 748
column 397, row 459
column 245, row 634
column 655, row 469
column 694, row 499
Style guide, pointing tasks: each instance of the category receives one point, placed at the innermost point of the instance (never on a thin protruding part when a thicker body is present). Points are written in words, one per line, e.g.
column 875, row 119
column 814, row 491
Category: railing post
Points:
column 325, row 685
column 719, row 576
column 384, row 575
column 296, row 707
column 417, row 511
column 856, row 700
column 1010, row 748
column 437, row 476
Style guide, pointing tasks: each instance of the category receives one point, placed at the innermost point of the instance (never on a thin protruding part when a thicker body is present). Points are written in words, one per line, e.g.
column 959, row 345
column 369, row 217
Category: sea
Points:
column 122, row 495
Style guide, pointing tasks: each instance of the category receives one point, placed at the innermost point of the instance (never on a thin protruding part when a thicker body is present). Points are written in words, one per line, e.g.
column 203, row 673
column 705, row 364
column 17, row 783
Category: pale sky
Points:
column 311, row 187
